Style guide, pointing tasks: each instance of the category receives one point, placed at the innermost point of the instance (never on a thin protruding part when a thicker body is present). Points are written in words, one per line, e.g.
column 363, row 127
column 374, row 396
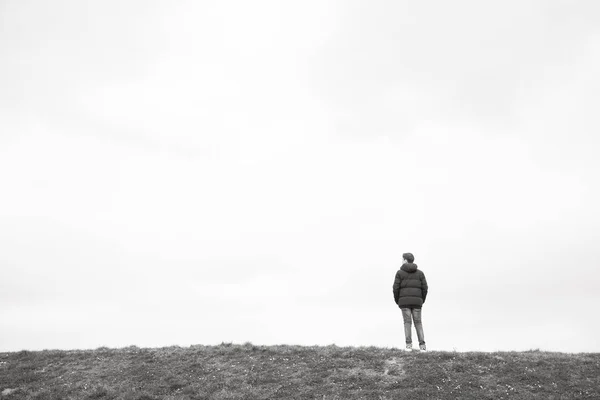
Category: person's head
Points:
column 408, row 258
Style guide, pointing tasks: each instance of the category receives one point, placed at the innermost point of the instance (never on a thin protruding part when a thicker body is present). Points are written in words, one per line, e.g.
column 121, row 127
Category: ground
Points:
column 247, row 371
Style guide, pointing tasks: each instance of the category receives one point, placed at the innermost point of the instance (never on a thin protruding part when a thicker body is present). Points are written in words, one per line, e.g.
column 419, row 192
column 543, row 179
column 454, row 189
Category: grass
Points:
column 248, row 371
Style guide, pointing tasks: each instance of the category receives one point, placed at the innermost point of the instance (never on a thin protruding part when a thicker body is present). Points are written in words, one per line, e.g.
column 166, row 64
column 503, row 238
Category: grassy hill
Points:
column 294, row 372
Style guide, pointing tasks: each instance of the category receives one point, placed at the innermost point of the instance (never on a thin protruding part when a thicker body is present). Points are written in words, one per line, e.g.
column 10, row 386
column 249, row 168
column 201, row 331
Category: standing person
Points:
column 410, row 291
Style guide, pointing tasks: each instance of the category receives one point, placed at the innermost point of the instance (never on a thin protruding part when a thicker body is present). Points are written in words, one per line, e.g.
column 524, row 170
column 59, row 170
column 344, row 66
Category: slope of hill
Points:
column 294, row 372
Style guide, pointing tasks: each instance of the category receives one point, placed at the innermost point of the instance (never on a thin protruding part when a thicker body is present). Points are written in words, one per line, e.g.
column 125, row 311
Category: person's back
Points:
column 410, row 291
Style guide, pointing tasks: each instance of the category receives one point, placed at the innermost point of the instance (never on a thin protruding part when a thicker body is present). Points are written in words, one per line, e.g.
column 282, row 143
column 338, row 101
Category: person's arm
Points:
column 396, row 287
column 424, row 287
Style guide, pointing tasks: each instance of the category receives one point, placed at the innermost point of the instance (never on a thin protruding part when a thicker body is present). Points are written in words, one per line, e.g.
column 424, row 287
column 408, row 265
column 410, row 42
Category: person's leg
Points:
column 406, row 315
column 416, row 314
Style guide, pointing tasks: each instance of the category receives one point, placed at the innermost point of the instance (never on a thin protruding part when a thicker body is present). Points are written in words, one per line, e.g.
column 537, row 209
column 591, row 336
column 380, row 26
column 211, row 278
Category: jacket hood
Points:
column 409, row 267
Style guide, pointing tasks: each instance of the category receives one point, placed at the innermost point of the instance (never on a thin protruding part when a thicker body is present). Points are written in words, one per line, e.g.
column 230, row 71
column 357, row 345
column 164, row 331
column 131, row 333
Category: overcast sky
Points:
column 198, row 172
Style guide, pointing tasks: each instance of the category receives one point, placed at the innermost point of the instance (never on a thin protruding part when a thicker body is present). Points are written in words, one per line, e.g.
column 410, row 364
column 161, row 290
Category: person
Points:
column 410, row 291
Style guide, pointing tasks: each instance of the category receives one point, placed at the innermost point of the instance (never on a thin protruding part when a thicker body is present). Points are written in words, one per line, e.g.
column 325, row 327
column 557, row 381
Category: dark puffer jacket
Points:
column 410, row 287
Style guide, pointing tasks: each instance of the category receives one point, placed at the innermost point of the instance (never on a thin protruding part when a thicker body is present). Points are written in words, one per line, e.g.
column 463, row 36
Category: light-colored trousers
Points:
column 409, row 315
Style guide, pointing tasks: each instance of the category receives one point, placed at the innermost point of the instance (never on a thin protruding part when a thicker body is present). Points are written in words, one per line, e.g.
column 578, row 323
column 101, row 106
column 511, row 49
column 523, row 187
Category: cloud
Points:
column 251, row 172
column 393, row 65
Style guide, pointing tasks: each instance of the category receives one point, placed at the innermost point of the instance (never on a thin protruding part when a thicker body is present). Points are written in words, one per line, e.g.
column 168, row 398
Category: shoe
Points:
column 409, row 347
column 423, row 347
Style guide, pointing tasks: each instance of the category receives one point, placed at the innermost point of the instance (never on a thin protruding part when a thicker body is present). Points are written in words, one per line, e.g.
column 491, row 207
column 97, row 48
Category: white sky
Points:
column 198, row 172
